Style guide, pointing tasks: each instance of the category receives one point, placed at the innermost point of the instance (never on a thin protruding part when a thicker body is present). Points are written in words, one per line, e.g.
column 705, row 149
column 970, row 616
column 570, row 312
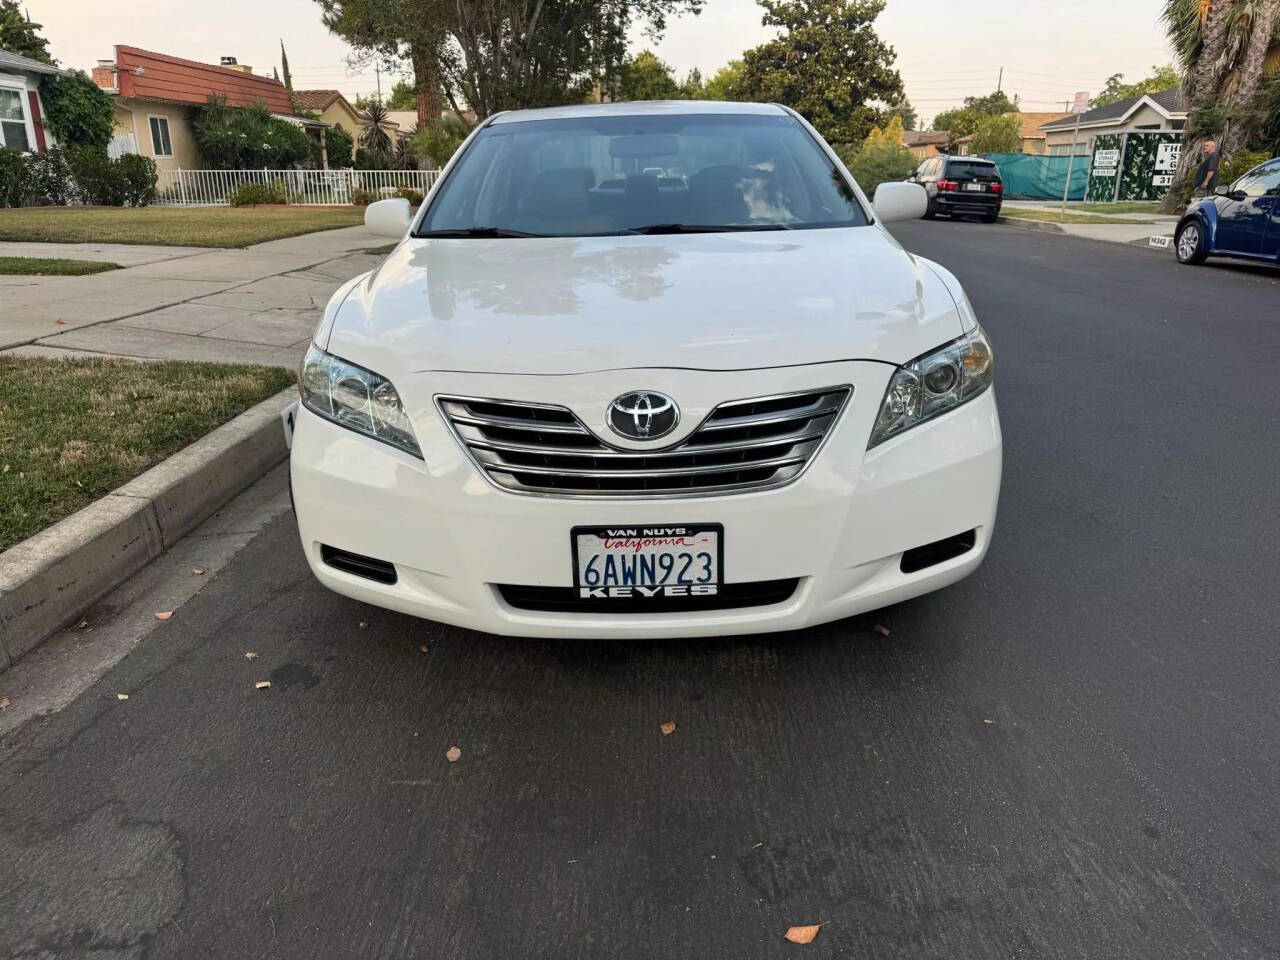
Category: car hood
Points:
column 709, row 301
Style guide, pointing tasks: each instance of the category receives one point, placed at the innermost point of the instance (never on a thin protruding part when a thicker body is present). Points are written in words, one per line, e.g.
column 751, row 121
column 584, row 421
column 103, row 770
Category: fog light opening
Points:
column 940, row 551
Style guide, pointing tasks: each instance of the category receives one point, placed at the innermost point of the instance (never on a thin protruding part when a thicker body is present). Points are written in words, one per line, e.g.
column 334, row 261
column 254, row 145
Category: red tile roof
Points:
column 317, row 100
column 185, row 81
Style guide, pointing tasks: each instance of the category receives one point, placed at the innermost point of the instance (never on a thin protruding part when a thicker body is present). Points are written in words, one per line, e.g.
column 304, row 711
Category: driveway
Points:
column 1073, row 753
column 256, row 305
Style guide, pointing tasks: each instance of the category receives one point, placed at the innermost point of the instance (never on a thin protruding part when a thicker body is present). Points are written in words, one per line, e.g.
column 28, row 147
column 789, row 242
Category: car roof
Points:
column 639, row 108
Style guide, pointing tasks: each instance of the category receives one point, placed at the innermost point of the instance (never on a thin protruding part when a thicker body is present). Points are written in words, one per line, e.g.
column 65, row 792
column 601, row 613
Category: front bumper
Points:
column 841, row 527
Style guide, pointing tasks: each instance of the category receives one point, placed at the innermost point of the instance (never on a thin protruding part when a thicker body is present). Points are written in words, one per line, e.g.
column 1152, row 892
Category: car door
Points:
column 1245, row 213
column 1270, row 201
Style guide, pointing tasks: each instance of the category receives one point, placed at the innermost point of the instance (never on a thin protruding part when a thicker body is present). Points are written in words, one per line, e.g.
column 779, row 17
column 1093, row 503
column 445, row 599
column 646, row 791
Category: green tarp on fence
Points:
column 1033, row 177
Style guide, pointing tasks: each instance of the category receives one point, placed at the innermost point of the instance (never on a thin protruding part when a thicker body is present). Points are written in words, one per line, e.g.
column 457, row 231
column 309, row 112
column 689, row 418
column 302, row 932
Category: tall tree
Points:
column 1115, row 89
column 997, row 135
column 1224, row 48
column 645, row 77
column 901, row 108
column 725, row 83
column 827, row 62
column 284, row 69
column 962, row 121
column 500, row 54
column 403, row 97
column 19, row 35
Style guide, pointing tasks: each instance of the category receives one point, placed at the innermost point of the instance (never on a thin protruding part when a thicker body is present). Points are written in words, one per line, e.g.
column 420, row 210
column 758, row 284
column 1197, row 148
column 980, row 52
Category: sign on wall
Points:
column 1133, row 166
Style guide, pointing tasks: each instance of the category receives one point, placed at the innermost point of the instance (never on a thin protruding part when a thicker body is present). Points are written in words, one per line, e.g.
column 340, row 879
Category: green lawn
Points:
column 74, row 430
column 172, row 226
column 1124, row 207
column 1022, row 213
column 49, row 267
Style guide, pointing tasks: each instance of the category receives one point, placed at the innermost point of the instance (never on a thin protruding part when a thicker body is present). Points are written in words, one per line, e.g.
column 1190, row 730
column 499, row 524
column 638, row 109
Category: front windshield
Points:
column 588, row 176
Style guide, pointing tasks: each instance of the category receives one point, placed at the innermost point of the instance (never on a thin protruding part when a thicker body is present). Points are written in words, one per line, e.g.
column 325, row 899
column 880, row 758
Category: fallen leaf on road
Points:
column 122, row 696
column 4, row 703
column 363, row 624
column 251, row 655
column 197, row 572
column 423, row 648
column 882, row 630
column 453, row 754
column 668, row 728
column 262, row 685
column 803, row 934
column 163, row 614
column 988, row 721
column 59, row 321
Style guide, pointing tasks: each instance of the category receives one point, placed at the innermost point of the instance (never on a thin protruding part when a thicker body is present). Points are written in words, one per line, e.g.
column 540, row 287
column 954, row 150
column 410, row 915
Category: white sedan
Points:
column 642, row 370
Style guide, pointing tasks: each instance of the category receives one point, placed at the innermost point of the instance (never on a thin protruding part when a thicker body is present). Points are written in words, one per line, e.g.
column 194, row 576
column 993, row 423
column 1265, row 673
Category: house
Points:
column 1150, row 113
column 925, row 143
column 1029, row 124
column 21, row 111
column 153, row 93
column 333, row 109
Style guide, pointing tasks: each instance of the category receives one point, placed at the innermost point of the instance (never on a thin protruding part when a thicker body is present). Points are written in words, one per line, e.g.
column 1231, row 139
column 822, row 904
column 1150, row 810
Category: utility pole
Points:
column 377, row 72
column 1000, row 81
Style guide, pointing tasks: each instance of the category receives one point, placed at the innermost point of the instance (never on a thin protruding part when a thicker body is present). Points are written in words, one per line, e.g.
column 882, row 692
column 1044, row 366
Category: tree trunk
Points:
column 1202, row 85
column 1241, row 120
column 426, row 84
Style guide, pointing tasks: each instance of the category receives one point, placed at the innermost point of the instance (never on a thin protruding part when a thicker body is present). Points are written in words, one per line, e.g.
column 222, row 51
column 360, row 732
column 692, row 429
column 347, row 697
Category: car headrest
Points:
column 562, row 192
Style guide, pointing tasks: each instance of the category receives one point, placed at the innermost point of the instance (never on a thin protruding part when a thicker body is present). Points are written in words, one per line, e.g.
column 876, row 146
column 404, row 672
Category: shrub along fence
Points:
column 203, row 188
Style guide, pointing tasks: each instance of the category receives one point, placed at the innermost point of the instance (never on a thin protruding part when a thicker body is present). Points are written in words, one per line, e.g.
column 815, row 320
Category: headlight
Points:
column 355, row 398
column 933, row 384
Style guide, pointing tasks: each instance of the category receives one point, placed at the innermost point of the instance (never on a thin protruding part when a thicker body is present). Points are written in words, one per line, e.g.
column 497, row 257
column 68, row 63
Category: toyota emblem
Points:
column 643, row 415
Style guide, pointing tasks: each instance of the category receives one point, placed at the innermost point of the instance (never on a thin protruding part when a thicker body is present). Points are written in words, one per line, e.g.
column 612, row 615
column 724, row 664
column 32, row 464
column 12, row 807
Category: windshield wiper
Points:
column 478, row 233
column 657, row 228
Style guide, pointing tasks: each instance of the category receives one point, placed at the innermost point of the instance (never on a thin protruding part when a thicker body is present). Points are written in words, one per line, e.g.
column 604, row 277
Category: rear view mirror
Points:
column 642, row 145
column 388, row 218
column 899, row 201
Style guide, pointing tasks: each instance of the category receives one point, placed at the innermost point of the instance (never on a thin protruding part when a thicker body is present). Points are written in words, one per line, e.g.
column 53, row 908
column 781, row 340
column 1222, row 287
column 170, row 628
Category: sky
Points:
column 946, row 50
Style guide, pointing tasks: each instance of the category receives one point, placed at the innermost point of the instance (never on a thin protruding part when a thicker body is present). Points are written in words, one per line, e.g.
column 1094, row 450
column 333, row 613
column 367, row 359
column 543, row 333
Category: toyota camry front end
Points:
column 646, row 370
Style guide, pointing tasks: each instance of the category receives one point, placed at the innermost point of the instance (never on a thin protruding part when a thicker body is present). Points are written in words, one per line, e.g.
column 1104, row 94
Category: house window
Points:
column 161, row 145
column 13, row 121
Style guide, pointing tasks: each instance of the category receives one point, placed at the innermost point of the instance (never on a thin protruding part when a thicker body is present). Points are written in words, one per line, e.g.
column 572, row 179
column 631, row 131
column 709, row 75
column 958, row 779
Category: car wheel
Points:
column 1189, row 243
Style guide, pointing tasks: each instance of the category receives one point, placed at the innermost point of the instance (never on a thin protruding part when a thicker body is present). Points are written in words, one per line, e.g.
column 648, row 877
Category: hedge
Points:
column 76, row 174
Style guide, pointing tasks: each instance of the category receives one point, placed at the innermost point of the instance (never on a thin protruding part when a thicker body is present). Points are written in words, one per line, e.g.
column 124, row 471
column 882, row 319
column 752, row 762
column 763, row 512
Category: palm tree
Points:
column 1225, row 48
column 375, row 129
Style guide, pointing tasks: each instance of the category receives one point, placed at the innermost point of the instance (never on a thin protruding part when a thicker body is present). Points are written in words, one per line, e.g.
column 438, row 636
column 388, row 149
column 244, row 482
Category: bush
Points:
column 1241, row 162
column 139, row 174
column 440, row 139
column 14, row 178
column 338, row 145
column 259, row 194
column 882, row 158
column 251, row 138
column 99, row 180
column 367, row 159
column 77, row 111
column 50, row 178
column 362, row 198
column 410, row 194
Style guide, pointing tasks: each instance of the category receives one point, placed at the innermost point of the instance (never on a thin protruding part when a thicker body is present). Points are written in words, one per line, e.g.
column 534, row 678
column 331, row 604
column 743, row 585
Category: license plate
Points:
column 978, row 187
column 679, row 560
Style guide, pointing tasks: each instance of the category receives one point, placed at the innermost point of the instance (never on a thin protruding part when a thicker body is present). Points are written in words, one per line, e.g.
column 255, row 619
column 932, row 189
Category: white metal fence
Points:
column 203, row 188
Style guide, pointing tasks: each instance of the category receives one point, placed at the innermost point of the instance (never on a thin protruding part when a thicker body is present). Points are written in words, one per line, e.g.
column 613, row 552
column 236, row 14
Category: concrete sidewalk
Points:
column 125, row 254
column 256, row 305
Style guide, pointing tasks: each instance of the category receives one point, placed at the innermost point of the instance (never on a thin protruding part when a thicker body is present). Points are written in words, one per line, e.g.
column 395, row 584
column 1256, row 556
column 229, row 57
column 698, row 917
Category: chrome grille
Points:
column 742, row 445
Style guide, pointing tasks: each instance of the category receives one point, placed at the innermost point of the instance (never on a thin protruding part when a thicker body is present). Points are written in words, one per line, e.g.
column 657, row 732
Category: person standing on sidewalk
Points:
column 1207, row 172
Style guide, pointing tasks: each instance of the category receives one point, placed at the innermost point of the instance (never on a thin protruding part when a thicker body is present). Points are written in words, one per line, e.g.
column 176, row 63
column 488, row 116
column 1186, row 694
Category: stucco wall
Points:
column 1145, row 116
column 134, row 116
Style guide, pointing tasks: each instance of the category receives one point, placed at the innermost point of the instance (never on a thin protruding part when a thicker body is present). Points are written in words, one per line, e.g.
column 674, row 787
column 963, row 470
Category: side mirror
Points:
column 388, row 218
column 900, row 201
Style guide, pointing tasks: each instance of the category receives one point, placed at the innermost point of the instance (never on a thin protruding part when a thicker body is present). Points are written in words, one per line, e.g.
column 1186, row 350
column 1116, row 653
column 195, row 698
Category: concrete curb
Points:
column 1044, row 225
column 50, row 579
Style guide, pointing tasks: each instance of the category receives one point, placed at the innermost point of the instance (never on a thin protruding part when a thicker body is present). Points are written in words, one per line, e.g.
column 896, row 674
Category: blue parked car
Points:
column 1242, row 220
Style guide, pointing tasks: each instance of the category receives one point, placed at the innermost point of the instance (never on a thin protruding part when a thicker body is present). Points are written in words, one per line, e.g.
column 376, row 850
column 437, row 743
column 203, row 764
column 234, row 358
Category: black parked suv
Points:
column 961, row 187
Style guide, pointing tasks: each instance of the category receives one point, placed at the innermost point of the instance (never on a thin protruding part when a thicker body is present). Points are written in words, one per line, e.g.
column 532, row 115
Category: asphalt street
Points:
column 1072, row 754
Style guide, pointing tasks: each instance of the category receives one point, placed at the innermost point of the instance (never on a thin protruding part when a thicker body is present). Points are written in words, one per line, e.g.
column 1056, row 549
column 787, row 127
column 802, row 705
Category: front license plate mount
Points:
column 647, row 560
